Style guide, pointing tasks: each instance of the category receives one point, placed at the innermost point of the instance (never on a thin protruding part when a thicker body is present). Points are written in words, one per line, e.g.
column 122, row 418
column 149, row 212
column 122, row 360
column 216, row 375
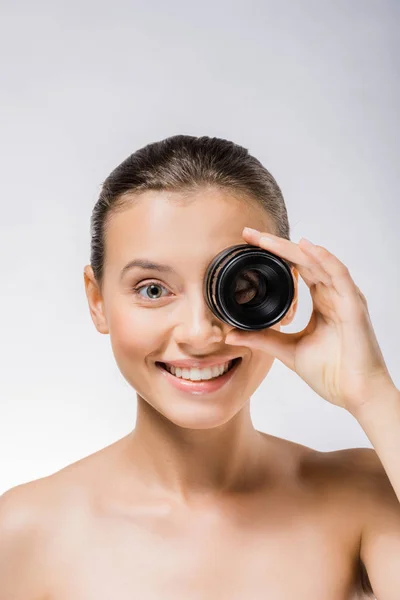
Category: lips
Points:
column 203, row 387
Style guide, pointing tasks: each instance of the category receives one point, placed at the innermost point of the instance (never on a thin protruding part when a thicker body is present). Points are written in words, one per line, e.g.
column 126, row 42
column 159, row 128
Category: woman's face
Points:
column 172, row 321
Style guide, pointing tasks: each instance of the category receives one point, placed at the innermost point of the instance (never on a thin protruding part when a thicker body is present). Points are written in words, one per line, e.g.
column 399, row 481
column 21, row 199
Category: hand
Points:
column 337, row 354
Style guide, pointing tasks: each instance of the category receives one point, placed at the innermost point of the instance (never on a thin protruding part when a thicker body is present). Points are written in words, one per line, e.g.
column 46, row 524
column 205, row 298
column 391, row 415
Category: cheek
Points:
column 261, row 364
column 134, row 333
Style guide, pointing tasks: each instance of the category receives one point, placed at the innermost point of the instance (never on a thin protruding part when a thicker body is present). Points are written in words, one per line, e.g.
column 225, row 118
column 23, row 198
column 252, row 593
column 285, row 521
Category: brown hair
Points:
column 184, row 163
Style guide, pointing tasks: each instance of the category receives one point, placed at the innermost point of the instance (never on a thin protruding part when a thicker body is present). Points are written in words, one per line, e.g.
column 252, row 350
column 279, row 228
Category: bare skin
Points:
column 100, row 533
column 194, row 502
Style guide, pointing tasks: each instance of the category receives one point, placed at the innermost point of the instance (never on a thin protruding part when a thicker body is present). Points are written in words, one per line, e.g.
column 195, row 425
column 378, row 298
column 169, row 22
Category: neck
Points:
column 195, row 464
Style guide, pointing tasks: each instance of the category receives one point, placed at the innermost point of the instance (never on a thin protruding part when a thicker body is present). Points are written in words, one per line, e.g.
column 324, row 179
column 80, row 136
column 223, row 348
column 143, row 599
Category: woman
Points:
column 195, row 502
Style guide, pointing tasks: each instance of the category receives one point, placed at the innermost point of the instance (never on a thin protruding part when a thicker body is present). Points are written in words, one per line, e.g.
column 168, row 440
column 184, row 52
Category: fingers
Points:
column 314, row 263
column 339, row 274
column 307, row 264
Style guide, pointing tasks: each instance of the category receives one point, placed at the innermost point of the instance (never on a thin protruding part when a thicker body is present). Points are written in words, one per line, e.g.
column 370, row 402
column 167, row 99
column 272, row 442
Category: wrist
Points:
column 385, row 397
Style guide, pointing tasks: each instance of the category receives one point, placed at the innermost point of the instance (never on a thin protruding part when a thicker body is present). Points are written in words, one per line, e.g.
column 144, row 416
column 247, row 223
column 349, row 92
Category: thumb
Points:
column 280, row 345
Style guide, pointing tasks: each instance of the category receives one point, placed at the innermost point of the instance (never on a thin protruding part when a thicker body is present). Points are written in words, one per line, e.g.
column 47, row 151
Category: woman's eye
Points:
column 152, row 293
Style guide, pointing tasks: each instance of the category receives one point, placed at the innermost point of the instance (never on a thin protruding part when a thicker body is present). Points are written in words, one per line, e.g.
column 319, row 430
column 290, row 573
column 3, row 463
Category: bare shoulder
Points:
column 356, row 473
column 35, row 519
column 380, row 536
column 366, row 474
column 25, row 523
column 376, row 498
column 371, row 499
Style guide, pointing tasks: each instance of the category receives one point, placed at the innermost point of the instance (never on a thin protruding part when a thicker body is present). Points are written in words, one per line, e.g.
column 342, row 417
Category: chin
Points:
column 196, row 414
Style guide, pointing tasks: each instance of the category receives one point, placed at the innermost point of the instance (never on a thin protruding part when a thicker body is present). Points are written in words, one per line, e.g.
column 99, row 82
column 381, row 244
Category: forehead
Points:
column 161, row 224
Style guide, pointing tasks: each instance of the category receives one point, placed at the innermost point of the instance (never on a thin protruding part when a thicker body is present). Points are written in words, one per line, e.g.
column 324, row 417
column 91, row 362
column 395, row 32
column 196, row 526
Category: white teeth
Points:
column 199, row 374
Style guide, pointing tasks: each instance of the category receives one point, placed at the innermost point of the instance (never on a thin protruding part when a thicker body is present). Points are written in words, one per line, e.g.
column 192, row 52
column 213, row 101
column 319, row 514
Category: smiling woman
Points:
column 194, row 501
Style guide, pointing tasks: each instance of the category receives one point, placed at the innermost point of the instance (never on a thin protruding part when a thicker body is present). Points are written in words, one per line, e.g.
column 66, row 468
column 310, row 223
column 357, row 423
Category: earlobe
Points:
column 95, row 301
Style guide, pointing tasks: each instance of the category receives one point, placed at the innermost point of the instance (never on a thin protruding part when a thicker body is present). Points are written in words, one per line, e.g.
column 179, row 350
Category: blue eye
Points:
column 153, row 295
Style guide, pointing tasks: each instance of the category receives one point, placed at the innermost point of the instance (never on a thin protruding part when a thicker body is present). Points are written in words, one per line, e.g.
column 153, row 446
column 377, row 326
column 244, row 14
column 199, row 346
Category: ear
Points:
column 288, row 318
column 95, row 300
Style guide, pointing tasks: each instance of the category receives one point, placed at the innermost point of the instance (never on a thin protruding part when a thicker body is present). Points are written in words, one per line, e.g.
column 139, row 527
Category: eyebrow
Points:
column 144, row 263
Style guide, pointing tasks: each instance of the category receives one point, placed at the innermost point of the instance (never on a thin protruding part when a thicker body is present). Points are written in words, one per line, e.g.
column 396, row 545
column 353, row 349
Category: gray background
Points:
column 311, row 88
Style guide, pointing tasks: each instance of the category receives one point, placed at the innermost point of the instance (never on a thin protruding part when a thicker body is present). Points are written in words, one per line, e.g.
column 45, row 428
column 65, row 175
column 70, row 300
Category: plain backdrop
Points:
column 311, row 88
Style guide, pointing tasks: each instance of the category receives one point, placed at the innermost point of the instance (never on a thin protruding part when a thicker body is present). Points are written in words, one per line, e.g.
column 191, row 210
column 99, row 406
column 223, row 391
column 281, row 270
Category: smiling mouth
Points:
column 235, row 361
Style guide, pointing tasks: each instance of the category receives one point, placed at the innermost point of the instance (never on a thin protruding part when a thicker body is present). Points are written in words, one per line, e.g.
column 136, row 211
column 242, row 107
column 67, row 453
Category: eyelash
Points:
column 136, row 290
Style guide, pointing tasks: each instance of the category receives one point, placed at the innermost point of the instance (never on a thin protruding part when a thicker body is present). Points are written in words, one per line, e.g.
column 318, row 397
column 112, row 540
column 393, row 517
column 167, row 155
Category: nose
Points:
column 198, row 326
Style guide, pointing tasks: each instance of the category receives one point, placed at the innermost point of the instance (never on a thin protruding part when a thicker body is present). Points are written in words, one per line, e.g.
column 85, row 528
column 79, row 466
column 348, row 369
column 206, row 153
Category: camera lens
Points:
column 248, row 287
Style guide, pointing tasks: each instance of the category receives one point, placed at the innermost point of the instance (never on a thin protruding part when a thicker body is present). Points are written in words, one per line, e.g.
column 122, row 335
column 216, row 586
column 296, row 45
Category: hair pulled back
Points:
column 184, row 163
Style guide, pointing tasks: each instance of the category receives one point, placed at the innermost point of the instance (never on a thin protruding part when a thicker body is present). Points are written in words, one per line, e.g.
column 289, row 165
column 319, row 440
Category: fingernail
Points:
column 250, row 230
column 267, row 240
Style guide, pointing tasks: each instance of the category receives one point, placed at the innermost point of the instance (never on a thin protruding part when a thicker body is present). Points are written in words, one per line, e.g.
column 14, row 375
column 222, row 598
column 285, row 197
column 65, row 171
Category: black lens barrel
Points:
column 248, row 287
